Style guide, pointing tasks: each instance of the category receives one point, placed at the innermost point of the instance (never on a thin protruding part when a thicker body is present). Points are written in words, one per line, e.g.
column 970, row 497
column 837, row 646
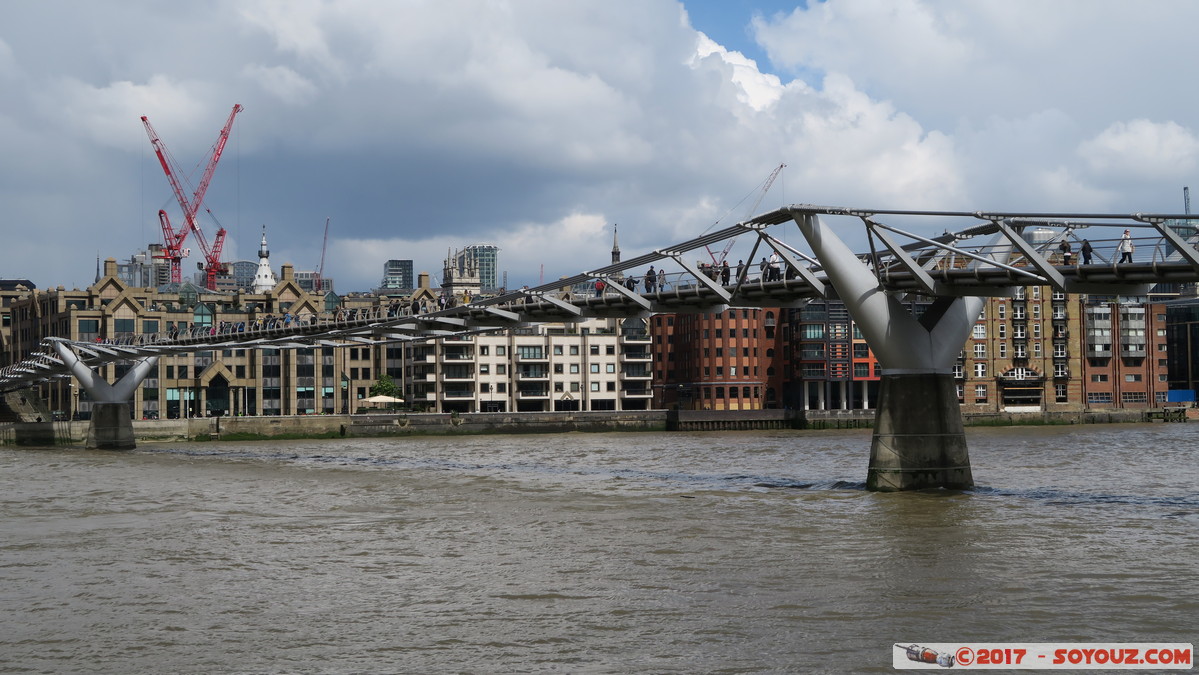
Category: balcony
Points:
column 636, row 392
column 637, row 355
column 533, row 393
column 458, row 393
column 458, row 376
column 632, row 373
column 525, row 374
column 457, row 355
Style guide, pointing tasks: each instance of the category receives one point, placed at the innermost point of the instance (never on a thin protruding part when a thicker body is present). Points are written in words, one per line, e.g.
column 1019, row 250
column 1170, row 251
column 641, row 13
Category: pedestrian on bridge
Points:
column 1126, row 247
column 661, row 278
column 1086, row 252
column 1067, row 254
column 650, row 279
column 724, row 273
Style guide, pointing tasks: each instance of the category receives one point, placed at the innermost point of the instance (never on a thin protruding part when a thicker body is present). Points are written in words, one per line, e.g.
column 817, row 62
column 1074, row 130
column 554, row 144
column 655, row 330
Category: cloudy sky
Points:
column 420, row 125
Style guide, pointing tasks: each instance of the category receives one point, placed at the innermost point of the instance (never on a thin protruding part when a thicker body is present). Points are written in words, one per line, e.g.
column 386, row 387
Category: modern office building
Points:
column 1182, row 340
column 486, row 259
column 397, row 277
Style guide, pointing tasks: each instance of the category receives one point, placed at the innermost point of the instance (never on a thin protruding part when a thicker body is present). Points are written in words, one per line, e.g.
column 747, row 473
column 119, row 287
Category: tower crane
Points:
column 717, row 260
column 320, row 270
column 173, row 250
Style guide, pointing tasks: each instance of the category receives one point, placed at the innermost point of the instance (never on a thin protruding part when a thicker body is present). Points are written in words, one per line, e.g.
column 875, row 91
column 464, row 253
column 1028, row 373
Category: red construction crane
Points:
column 320, row 271
column 172, row 240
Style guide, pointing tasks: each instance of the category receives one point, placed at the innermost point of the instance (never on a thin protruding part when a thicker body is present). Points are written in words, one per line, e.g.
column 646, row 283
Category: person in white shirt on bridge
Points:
column 1126, row 247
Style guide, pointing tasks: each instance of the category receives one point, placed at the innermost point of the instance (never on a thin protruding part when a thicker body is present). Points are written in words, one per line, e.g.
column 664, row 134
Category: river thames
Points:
column 733, row 552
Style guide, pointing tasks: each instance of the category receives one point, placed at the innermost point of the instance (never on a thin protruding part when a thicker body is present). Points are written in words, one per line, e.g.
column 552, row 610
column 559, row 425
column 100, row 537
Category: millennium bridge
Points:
column 918, row 440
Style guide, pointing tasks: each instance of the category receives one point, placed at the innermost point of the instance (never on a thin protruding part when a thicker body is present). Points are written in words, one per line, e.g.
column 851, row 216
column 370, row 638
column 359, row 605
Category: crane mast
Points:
column 752, row 211
column 320, row 270
column 173, row 241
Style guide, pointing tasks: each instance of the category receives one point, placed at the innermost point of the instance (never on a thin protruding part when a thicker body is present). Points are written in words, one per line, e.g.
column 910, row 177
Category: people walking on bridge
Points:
column 1126, row 247
column 661, row 279
column 599, row 288
column 650, row 279
column 1067, row 254
column 724, row 273
column 740, row 271
column 775, row 271
column 1086, row 251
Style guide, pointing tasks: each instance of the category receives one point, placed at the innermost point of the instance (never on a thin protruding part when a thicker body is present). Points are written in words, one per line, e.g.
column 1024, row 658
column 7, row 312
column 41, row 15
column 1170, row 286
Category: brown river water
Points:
column 737, row 552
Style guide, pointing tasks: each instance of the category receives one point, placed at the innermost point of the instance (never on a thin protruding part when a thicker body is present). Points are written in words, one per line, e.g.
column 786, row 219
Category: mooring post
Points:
column 919, row 441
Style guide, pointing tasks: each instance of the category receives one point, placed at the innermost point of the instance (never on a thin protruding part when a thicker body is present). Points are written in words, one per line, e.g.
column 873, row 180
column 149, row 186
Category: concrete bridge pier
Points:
column 111, row 425
column 919, row 441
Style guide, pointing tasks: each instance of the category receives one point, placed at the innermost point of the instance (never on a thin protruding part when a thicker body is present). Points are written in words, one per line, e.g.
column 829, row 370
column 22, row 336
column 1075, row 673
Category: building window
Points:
column 1002, row 311
column 980, row 331
column 980, row 350
column 484, row 350
column 610, row 368
column 1099, row 377
column 595, row 386
column 529, row 352
column 980, row 393
column 1132, row 377
column 557, row 350
column 595, row 368
column 812, row 331
column 574, row 369
column 595, row 350
column 1061, row 393
column 1134, row 397
column 1094, row 397
column 980, row 370
column 501, row 369
column 958, row 371
column 1059, row 350
column 1060, row 370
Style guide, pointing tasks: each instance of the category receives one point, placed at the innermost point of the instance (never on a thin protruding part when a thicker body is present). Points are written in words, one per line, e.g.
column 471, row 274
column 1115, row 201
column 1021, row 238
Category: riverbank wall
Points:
column 434, row 424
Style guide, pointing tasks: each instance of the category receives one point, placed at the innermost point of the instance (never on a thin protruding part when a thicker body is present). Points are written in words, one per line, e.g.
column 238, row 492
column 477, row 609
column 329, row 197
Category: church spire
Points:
column 615, row 246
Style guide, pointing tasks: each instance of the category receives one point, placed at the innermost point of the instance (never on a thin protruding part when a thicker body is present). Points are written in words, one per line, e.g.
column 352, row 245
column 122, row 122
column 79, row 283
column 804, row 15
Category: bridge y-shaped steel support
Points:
column 112, row 425
column 919, row 441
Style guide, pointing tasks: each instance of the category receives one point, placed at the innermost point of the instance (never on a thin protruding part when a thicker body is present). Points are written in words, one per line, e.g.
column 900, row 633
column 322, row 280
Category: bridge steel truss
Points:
column 918, row 438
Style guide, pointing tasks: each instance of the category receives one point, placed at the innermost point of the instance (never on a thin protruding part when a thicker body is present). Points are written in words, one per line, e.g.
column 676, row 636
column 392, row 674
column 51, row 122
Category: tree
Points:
column 385, row 386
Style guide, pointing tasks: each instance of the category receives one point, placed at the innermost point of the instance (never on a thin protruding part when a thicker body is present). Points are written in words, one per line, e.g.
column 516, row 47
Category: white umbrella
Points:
column 382, row 399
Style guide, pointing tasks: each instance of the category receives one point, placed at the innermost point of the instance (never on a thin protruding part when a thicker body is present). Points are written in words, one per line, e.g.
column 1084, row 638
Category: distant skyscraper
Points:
column 486, row 258
column 397, row 276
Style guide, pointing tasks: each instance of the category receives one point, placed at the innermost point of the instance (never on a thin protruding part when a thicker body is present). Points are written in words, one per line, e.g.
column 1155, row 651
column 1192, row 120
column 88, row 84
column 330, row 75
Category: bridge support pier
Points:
column 919, row 441
column 111, row 425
